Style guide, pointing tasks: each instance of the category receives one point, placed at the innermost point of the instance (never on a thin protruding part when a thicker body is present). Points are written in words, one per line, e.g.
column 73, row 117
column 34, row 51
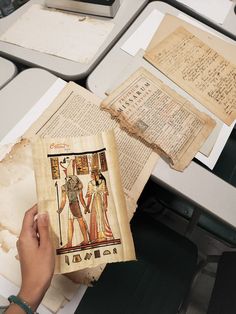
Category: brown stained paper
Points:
column 165, row 120
column 74, row 112
column 17, row 194
column 198, row 69
column 88, row 212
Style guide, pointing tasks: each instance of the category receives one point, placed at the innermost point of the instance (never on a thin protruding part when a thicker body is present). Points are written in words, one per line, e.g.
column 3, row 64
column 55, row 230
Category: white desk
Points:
column 20, row 94
column 7, row 71
column 67, row 69
column 228, row 26
column 230, row 21
column 195, row 183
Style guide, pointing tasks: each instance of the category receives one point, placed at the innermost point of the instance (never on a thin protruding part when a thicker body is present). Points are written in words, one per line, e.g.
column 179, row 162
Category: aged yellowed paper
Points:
column 17, row 194
column 75, row 112
column 198, row 69
column 152, row 111
column 79, row 185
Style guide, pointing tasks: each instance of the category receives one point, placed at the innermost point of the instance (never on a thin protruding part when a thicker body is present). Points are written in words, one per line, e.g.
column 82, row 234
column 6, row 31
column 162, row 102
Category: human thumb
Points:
column 43, row 228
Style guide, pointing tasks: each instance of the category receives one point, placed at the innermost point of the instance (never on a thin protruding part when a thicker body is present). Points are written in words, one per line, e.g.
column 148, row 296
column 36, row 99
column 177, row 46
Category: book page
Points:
column 137, row 62
column 198, row 69
column 76, row 112
column 165, row 120
column 79, row 185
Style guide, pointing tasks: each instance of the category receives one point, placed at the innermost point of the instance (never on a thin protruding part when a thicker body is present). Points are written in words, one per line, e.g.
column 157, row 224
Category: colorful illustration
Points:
column 72, row 190
column 81, row 191
column 97, row 195
column 82, row 166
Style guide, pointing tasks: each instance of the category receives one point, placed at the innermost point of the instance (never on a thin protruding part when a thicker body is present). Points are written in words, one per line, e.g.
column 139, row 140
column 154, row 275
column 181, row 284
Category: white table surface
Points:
column 196, row 184
column 229, row 23
column 7, row 71
column 67, row 69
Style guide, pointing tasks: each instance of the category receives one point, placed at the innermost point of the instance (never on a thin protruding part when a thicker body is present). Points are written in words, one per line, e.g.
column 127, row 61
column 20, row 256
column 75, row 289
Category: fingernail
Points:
column 43, row 217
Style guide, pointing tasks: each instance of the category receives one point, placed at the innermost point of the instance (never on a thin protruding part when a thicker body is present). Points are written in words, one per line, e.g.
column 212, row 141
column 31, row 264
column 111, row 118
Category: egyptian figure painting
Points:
column 85, row 201
column 84, row 194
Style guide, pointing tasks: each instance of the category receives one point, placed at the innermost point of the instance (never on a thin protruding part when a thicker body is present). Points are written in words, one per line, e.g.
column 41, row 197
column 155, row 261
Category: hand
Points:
column 37, row 257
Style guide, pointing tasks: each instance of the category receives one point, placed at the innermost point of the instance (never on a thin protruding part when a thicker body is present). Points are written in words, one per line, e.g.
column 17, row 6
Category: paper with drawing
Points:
column 79, row 185
column 147, row 107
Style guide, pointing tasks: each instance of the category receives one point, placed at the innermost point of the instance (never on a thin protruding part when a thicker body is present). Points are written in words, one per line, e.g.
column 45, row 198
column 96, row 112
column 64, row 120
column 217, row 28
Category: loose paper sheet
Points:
column 198, row 69
column 137, row 62
column 147, row 107
column 198, row 24
column 79, row 185
column 207, row 155
column 143, row 34
column 63, row 34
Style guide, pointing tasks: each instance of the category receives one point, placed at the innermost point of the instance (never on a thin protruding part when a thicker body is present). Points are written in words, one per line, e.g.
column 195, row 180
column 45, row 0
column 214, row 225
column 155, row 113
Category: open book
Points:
column 71, row 110
column 79, row 185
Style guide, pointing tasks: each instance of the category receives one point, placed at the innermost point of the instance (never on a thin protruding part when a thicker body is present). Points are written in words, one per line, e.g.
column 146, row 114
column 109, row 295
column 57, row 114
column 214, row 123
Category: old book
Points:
column 78, row 183
column 96, row 7
column 166, row 121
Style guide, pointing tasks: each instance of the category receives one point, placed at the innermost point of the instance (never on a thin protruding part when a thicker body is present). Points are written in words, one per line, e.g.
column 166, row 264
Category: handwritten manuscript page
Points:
column 79, row 185
column 148, row 108
column 198, row 69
